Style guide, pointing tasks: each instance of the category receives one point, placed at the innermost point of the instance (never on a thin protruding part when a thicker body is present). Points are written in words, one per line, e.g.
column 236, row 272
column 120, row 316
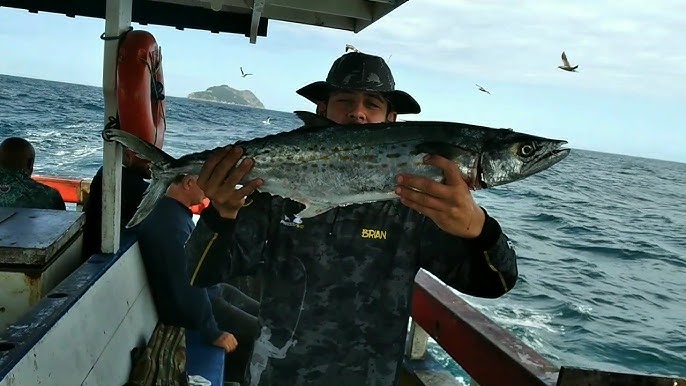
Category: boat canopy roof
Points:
column 247, row 17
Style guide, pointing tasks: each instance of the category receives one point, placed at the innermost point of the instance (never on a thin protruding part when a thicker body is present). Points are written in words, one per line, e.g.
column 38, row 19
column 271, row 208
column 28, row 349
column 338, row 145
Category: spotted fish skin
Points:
column 324, row 165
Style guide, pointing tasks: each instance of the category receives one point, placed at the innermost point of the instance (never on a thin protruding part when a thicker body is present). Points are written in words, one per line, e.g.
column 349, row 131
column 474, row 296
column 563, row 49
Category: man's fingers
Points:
column 208, row 167
column 222, row 169
column 451, row 171
column 423, row 210
column 231, row 343
column 424, row 184
column 421, row 199
column 239, row 172
column 249, row 187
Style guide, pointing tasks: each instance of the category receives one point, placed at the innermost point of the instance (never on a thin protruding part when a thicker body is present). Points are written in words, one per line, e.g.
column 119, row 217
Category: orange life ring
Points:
column 140, row 87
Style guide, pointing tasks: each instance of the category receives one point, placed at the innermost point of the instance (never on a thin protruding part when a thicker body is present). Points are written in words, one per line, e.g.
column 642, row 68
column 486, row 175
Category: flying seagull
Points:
column 565, row 64
column 483, row 89
column 350, row 47
column 243, row 74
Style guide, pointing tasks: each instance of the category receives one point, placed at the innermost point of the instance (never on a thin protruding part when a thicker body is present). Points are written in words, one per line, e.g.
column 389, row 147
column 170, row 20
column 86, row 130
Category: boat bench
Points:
column 92, row 319
column 204, row 359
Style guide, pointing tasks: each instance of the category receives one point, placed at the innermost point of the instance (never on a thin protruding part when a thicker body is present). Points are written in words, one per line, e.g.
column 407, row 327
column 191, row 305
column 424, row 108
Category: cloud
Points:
column 620, row 46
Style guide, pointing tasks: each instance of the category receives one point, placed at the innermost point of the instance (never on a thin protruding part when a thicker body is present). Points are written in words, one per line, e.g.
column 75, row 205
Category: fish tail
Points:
column 157, row 189
column 161, row 167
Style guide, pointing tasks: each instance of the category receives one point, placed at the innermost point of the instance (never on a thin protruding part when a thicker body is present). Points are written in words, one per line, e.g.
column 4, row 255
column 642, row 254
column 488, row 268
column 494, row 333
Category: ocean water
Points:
column 601, row 238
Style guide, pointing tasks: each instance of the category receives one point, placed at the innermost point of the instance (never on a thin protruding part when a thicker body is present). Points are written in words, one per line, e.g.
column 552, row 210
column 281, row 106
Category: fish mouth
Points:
column 560, row 152
column 555, row 154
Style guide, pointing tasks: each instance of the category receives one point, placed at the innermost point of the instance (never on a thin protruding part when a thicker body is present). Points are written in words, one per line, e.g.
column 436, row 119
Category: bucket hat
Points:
column 364, row 72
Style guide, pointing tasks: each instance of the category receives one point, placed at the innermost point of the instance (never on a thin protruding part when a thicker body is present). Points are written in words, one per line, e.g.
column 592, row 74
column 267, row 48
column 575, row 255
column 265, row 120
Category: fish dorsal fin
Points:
column 313, row 120
column 444, row 149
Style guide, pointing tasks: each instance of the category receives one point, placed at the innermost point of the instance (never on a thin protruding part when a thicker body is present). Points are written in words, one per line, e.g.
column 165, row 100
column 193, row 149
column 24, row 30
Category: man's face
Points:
column 350, row 107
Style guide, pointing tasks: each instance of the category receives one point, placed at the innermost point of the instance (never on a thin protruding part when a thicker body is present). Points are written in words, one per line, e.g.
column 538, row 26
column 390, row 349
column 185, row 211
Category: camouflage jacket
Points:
column 21, row 191
column 336, row 288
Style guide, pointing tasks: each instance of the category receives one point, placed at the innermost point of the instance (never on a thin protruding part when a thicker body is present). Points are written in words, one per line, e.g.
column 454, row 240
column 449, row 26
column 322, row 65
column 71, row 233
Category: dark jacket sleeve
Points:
column 220, row 249
column 178, row 303
column 485, row 266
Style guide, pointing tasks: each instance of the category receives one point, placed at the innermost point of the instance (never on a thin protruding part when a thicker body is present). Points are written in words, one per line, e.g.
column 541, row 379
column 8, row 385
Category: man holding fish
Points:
column 337, row 288
column 336, row 217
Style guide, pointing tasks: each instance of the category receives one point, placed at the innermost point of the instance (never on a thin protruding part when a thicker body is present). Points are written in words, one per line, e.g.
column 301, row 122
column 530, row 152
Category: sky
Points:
column 627, row 98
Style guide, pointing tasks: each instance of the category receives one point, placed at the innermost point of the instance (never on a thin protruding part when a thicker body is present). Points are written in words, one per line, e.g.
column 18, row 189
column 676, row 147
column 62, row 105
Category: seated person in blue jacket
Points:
column 17, row 188
column 223, row 315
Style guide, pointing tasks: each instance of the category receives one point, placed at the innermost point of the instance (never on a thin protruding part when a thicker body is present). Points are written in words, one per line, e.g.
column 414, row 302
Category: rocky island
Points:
column 226, row 94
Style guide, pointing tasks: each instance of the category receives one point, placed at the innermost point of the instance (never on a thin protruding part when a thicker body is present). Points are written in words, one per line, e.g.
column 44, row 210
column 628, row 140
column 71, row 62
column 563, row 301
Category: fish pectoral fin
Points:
column 444, row 149
column 314, row 120
column 314, row 209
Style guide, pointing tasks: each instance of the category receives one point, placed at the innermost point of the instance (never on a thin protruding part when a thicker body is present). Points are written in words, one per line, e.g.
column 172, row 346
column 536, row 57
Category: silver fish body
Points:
column 325, row 165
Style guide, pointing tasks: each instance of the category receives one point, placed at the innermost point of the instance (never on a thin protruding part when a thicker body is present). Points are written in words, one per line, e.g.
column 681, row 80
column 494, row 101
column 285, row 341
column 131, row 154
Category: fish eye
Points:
column 526, row 150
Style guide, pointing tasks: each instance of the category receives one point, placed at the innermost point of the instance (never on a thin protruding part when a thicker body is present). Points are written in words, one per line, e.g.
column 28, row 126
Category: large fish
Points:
column 324, row 164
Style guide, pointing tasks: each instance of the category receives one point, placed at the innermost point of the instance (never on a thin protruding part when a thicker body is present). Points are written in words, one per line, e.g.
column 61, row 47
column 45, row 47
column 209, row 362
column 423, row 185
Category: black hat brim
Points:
column 403, row 103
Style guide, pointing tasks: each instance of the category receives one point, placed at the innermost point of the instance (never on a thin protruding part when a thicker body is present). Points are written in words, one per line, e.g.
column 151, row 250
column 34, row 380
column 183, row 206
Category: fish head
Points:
column 515, row 156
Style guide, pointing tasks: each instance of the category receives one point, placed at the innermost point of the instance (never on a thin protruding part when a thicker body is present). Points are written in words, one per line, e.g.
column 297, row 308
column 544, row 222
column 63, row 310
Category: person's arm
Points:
column 219, row 248
column 57, row 201
column 231, row 234
column 485, row 266
column 459, row 242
